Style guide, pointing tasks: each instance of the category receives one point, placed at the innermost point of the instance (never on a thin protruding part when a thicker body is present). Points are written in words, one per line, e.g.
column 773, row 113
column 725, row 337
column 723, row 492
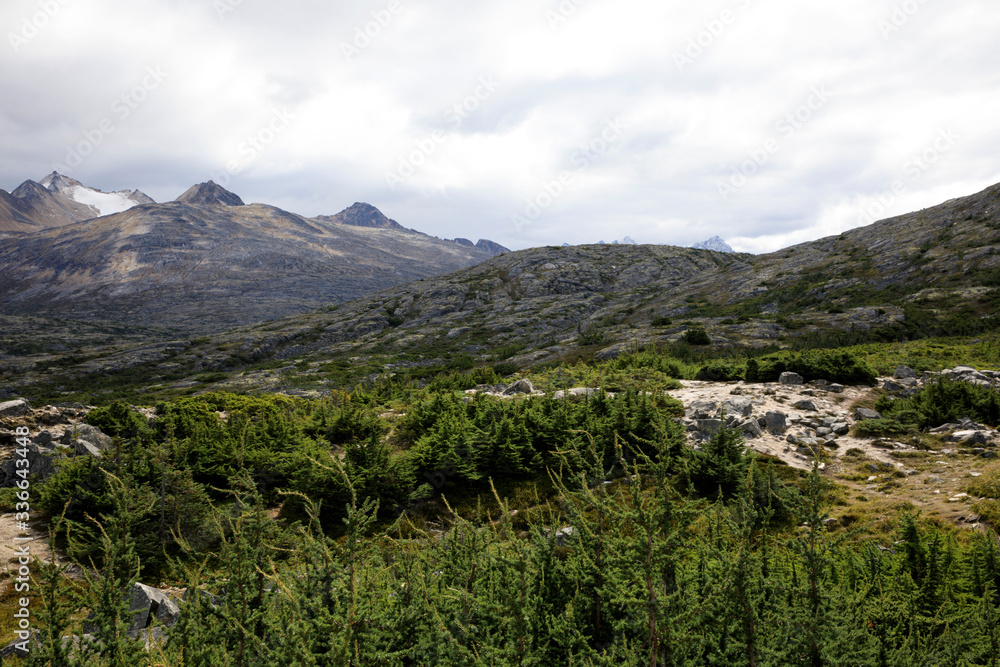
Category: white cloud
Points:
column 561, row 79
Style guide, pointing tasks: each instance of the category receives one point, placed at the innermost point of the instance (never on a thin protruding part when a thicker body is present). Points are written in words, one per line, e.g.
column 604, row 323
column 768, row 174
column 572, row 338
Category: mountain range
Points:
column 204, row 262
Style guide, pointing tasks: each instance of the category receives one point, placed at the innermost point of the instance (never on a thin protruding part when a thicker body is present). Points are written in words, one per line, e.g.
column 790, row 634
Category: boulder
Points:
column 835, row 388
column 737, row 405
column 565, row 535
column 40, row 466
column 841, row 428
column 146, row 603
column 703, row 409
column 806, row 405
column 751, row 429
column 775, row 422
column 520, row 387
column 969, row 437
column 904, row 372
column 79, row 434
column 865, row 413
column 892, row 386
column 16, row 408
column 22, row 647
column 790, row 378
column 709, row 426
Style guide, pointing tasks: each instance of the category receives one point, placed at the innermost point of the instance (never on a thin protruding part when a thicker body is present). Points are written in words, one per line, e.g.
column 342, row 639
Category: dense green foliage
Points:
column 831, row 365
column 630, row 571
column 941, row 402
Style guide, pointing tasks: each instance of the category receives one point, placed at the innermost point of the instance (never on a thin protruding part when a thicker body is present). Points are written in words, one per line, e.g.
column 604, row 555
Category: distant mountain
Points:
column 205, row 261
column 57, row 201
column 362, row 215
column 715, row 243
column 210, row 194
column 100, row 203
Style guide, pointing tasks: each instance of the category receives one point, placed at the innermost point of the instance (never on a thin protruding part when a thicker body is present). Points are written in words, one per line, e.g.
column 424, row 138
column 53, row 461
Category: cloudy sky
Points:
column 529, row 122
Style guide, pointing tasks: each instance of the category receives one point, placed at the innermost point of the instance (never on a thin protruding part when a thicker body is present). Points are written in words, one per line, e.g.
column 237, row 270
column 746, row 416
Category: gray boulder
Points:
column 865, row 413
column 790, row 378
column 81, row 435
column 904, row 372
column 709, row 426
column 40, row 465
column 775, row 422
column 17, row 646
column 146, row 604
column 806, row 405
column 737, row 405
column 841, row 428
column 751, row 429
column 703, row 409
column 520, row 387
column 16, row 408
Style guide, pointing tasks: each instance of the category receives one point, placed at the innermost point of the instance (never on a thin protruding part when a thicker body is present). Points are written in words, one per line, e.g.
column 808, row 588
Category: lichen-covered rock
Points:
column 790, row 378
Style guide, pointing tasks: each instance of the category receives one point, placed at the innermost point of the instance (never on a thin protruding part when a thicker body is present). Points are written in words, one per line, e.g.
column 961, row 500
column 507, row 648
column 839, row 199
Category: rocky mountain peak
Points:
column 715, row 243
column 361, row 214
column 210, row 194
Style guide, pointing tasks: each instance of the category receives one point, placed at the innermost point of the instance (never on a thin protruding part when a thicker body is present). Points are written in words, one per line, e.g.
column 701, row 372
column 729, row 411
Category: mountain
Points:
column 928, row 273
column 715, row 243
column 362, row 215
column 209, row 194
column 933, row 272
column 97, row 202
column 205, row 263
column 57, row 201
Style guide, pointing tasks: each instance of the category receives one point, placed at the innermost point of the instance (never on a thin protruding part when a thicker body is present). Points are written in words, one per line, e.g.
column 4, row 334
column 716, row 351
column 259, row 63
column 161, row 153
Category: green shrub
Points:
column 696, row 336
column 646, row 359
column 119, row 421
column 942, row 402
column 661, row 321
column 832, row 365
column 877, row 428
column 721, row 370
column 505, row 368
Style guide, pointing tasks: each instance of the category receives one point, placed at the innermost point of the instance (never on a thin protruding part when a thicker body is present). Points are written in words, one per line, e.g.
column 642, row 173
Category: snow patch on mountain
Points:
column 103, row 203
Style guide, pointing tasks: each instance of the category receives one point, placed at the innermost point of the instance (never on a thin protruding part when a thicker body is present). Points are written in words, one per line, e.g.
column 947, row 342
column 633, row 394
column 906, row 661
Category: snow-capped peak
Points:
column 102, row 203
column 715, row 243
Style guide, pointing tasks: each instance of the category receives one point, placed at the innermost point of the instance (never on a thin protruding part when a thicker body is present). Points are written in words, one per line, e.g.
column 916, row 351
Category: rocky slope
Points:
column 933, row 270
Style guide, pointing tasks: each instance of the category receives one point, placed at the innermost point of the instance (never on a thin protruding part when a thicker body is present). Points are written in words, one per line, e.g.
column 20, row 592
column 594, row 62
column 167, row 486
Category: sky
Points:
column 528, row 122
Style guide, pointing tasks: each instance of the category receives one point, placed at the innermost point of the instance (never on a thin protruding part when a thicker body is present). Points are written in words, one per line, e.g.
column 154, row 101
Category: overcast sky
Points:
column 529, row 122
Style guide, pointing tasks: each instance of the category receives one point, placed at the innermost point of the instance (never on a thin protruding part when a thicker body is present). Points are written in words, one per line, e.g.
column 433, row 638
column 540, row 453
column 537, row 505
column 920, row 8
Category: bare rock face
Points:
column 210, row 194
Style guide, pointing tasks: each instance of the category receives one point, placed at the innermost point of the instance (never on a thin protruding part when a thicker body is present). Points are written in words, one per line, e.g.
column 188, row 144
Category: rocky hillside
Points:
column 931, row 272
